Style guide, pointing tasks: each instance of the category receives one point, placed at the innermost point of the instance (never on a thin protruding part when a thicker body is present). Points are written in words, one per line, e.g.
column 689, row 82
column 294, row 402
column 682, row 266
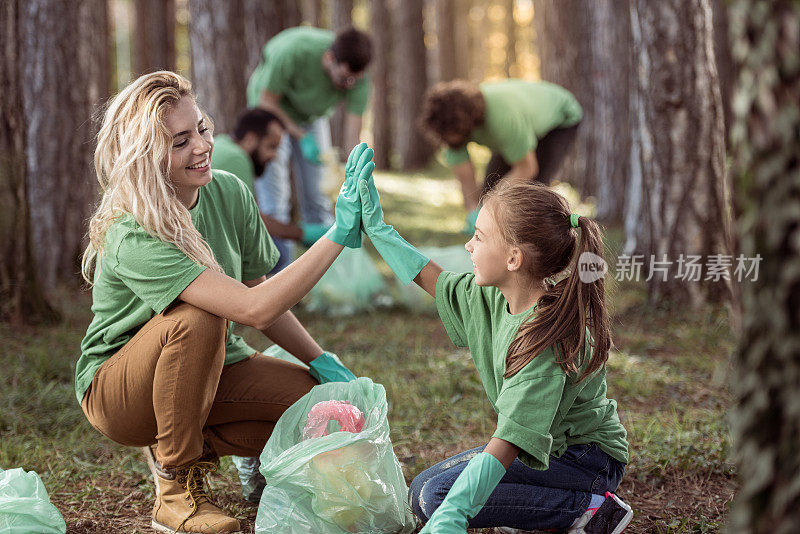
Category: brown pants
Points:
column 168, row 385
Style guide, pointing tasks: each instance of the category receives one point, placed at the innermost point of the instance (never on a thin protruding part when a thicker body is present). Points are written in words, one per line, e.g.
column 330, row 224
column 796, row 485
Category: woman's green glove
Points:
column 469, row 493
column 327, row 367
column 347, row 228
column 312, row 232
column 399, row 255
column 309, row 148
column 469, row 222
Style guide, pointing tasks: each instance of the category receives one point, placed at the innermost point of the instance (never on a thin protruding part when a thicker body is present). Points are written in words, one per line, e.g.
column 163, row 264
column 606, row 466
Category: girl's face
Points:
column 191, row 149
column 489, row 252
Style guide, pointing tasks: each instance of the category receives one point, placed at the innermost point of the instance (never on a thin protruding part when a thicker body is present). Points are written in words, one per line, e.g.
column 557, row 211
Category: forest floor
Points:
column 669, row 374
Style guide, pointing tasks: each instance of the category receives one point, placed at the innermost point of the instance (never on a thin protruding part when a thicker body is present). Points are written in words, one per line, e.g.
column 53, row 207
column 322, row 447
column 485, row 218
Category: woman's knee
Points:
column 205, row 327
column 424, row 496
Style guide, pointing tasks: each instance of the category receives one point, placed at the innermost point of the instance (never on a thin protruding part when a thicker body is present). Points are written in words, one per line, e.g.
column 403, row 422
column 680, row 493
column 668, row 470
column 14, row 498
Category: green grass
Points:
column 668, row 374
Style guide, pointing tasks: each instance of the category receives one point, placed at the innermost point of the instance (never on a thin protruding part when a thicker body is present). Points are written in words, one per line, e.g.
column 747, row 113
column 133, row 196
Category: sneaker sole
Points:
column 158, row 527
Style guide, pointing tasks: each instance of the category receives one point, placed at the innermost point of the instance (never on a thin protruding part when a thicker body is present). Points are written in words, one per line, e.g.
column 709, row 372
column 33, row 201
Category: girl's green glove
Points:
column 465, row 499
column 399, row 254
column 347, row 228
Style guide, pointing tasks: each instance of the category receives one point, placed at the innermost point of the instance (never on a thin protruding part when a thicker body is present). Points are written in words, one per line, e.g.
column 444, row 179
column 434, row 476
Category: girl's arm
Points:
column 427, row 277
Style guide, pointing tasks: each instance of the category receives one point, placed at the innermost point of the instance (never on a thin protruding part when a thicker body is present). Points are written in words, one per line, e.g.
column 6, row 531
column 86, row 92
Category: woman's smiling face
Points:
column 192, row 144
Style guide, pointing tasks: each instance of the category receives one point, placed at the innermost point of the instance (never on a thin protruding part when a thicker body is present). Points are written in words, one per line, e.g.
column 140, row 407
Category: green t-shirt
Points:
column 291, row 66
column 141, row 275
column 541, row 409
column 230, row 157
column 518, row 114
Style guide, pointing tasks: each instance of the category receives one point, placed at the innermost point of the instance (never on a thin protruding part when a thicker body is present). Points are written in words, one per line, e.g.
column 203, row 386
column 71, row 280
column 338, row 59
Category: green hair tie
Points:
column 573, row 220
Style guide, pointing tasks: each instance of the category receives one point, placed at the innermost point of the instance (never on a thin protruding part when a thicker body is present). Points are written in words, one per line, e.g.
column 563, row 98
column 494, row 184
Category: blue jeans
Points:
column 274, row 189
column 525, row 498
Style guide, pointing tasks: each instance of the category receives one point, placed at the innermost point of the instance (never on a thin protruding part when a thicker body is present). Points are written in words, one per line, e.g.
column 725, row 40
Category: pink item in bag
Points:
column 349, row 417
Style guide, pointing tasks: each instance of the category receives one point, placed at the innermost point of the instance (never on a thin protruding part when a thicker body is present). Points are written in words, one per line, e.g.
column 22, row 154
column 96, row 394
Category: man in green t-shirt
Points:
column 245, row 153
column 528, row 126
column 303, row 75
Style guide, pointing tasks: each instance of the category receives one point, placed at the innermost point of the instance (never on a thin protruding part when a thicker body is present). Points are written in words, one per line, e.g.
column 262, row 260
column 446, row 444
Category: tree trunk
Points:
column 22, row 300
column 610, row 30
column 766, row 375
column 511, row 40
column 154, row 36
column 411, row 81
column 313, row 9
column 262, row 21
column 379, row 71
column 61, row 90
column 218, row 59
column 679, row 145
column 341, row 17
column 446, row 40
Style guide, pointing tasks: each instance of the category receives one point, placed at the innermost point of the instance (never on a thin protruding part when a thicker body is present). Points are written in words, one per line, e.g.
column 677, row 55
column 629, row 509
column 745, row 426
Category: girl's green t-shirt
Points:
column 140, row 275
column 541, row 409
column 518, row 114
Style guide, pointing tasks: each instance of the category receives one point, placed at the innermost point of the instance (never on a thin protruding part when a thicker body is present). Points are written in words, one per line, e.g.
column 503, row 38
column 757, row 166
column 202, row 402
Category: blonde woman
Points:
column 178, row 252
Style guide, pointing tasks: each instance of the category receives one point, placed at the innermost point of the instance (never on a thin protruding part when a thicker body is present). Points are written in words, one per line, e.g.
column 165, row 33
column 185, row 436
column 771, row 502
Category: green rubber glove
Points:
column 347, row 228
column 310, row 149
column 404, row 260
column 469, row 222
column 327, row 367
column 469, row 493
column 312, row 232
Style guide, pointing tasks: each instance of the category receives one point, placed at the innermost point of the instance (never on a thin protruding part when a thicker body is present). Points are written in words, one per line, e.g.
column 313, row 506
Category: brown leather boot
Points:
column 184, row 502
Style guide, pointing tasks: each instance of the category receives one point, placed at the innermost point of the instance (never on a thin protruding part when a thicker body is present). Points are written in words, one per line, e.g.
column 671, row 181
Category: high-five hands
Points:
column 346, row 230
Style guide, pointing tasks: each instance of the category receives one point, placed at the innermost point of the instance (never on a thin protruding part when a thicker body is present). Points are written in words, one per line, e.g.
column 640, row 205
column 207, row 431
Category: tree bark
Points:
column 61, row 91
column 22, row 300
column 766, row 374
column 411, row 81
column 446, row 39
column 679, row 148
column 218, row 59
column 379, row 72
column 154, row 36
column 511, row 40
column 341, row 17
column 262, row 21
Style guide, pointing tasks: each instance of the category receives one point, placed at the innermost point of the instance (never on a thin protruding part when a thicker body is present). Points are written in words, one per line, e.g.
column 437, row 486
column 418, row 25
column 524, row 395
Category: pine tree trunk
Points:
column 154, row 36
column 411, row 81
column 61, row 93
column 446, row 39
column 511, row 40
column 341, row 17
column 679, row 144
column 765, row 141
column 22, row 300
column 219, row 59
column 379, row 71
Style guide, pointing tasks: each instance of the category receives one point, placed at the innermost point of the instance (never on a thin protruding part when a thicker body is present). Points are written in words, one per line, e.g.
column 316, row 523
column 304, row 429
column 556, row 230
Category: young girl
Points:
column 559, row 450
column 178, row 253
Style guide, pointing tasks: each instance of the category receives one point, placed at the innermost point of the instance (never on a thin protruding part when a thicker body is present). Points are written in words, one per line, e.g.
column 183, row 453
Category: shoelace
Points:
column 198, row 487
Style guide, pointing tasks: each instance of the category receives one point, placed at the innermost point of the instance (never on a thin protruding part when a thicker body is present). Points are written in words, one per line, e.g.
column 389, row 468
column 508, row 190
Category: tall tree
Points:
column 446, row 40
column 218, row 59
column 341, row 17
column 679, row 140
column 61, row 89
column 154, row 36
column 766, row 378
column 411, row 81
column 21, row 297
column 379, row 72
column 262, row 21
column 511, row 39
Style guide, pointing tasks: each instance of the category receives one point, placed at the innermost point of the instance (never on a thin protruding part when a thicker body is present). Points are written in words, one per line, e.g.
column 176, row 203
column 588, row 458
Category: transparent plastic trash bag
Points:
column 350, row 285
column 25, row 505
column 454, row 258
column 339, row 483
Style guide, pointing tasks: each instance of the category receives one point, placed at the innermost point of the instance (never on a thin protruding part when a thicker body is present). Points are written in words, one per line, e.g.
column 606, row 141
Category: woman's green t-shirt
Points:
column 139, row 275
column 541, row 409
